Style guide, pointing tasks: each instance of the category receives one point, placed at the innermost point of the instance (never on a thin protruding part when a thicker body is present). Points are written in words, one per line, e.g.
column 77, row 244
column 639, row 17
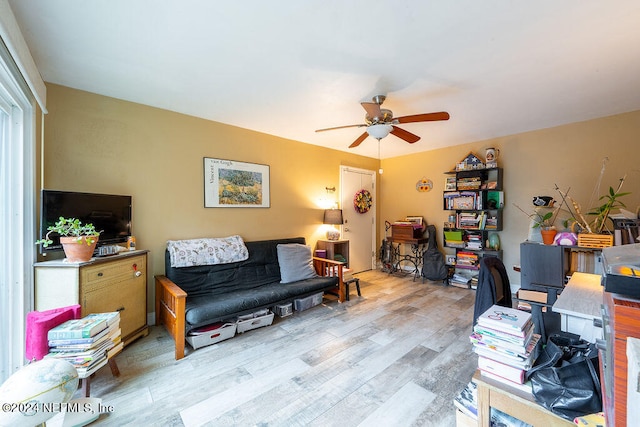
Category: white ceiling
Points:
column 288, row 67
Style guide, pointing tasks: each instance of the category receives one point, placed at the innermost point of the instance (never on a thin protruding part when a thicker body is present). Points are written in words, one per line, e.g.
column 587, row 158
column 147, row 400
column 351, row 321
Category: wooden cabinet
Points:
column 546, row 268
column 335, row 247
column 621, row 320
column 116, row 283
column 514, row 402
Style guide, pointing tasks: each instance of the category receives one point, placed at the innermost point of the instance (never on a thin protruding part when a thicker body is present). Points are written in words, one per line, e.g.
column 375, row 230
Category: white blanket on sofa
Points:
column 192, row 252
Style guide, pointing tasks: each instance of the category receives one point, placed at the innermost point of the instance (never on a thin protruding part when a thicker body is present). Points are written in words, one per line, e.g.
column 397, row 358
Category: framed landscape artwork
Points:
column 231, row 184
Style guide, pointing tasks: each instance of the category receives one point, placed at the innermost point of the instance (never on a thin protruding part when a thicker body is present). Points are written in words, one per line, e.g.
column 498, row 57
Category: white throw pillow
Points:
column 295, row 262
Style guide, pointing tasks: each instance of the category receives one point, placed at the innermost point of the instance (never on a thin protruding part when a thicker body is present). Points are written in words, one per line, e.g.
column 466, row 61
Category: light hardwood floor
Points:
column 395, row 356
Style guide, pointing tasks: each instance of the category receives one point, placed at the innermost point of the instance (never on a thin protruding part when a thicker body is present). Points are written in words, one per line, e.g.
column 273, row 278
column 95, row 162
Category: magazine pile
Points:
column 506, row 346
column 86, row 343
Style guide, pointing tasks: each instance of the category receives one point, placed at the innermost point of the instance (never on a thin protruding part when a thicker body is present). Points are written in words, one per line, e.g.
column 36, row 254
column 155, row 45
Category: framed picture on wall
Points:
column 232, row 184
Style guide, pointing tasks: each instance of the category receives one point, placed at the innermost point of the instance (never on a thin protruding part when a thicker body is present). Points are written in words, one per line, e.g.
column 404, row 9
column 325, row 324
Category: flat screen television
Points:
column 109, row 213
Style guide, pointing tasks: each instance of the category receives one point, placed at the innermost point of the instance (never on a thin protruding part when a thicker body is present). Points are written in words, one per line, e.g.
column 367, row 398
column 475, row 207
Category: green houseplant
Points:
column 78, row 240
column 544, row 221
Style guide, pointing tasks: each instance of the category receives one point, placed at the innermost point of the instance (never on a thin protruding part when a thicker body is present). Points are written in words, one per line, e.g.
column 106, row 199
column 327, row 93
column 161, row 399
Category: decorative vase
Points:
column 79, row 249
column 494, row 241
column 548, row 235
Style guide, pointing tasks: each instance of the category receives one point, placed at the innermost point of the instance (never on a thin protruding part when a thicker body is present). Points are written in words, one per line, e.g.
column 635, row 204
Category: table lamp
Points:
column 333, row 217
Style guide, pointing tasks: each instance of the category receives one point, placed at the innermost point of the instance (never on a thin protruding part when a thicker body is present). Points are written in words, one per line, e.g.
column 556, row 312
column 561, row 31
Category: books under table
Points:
column 87, row 353
column 467, row 400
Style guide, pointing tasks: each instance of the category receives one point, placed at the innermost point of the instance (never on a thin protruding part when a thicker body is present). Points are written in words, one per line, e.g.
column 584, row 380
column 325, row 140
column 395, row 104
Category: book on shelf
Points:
column 77, row 328
column 110, row 317
column 84, row 372
column 467, row 400
column 505, row 371
column 507, row 347
column 506, row 319
column 519, row 339
column 80, row 341
column 516, row 362
column 526, row 387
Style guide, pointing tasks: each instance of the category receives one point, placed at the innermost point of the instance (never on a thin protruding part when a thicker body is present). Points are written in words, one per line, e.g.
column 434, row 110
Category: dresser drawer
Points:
column 94, row 275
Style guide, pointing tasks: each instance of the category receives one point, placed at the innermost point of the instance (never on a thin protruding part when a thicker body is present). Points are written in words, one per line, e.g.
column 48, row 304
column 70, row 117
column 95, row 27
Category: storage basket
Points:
column 587, row 240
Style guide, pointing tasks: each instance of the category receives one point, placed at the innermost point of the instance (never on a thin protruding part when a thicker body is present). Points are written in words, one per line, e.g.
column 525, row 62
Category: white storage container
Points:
column 212, row 334
column 257, row 320
column 301, row 304
column 283, row 310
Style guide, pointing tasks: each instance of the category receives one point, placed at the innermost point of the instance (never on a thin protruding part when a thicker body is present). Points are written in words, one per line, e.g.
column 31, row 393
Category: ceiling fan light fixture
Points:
column 379, row 131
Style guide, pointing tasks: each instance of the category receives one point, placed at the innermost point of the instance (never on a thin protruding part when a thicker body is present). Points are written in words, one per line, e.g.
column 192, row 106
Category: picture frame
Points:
column 415, row 220
column 233, row 184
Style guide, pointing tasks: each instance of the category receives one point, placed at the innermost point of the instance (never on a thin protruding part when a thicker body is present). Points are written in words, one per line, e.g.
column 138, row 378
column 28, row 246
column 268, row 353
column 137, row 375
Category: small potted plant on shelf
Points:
column 544, row 221
column 78, row 240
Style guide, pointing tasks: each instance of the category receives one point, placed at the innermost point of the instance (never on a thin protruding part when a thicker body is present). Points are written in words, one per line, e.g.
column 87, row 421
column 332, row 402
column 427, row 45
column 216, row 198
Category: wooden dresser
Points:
column 115, row 283
column 621, row 320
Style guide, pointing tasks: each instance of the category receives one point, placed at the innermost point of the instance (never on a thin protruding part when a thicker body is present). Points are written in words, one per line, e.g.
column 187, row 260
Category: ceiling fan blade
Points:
column 341, row 127
column 403, row 134
column 427, row 117
column 372, row 109
column 359, row 140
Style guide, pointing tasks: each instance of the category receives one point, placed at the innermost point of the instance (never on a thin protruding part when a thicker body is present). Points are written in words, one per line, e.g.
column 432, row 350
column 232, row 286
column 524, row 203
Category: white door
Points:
column 359, row 227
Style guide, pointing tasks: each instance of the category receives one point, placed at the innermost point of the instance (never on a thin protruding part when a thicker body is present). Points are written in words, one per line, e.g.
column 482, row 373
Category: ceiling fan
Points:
column 380, row 122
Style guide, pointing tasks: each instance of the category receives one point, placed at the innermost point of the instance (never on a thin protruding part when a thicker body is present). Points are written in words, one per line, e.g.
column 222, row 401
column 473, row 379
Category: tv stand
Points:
column 114, row 283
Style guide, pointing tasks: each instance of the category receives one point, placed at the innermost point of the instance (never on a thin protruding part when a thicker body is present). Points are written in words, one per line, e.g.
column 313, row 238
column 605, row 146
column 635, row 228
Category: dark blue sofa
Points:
column 190, row 297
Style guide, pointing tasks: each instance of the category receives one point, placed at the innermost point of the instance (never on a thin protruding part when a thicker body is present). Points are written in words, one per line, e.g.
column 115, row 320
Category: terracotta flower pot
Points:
column 78, row 250
column 548, row 235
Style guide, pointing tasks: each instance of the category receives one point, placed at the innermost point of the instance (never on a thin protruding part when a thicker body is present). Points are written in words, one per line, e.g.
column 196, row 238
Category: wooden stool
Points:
column 350, row 281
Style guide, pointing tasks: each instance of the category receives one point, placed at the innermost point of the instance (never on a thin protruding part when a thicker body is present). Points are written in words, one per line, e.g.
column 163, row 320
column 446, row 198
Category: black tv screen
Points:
column 109, row 213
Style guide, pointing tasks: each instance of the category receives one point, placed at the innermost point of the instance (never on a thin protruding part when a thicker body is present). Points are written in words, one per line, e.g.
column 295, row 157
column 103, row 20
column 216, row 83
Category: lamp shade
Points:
column 379, row 131
column 333, row 216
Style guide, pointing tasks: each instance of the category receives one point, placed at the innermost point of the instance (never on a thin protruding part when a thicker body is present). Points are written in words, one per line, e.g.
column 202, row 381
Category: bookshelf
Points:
column 475, row 199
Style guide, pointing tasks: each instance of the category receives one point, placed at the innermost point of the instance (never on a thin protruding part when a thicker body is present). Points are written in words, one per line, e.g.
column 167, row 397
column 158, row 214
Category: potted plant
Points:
column 78, row 240
column 543, row 221
column 596, row 232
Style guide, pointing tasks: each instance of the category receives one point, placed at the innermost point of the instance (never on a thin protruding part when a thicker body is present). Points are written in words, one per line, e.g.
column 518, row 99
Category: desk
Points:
column 414, row 258
column 492, row 394
column 580, row 306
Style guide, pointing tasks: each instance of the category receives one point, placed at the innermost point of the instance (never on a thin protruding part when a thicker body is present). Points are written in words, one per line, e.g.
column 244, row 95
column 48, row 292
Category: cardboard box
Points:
column 211, row 334
column 301, row 304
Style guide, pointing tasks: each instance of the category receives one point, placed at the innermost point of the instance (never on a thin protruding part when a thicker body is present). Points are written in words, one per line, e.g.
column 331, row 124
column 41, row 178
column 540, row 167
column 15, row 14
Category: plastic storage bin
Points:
column 211, row 334
column 283, row 310
column 254, row 320
column 306, row 303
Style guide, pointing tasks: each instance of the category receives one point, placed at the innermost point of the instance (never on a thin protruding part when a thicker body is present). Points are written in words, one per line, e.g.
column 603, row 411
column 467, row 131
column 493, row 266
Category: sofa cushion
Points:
column 207, row 309
column 295, row 262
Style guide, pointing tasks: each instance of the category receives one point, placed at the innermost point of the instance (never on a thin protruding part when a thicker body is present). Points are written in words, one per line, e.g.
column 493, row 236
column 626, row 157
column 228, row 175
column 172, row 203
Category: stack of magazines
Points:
column 86, row 343
column 506, row 346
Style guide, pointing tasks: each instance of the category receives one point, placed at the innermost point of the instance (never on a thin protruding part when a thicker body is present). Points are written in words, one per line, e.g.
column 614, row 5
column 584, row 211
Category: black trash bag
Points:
column 565, row 378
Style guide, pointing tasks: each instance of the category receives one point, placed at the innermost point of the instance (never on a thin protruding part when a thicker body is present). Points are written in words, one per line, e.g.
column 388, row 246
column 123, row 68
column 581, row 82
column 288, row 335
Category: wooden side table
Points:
column 492, row 394
column 335, row 247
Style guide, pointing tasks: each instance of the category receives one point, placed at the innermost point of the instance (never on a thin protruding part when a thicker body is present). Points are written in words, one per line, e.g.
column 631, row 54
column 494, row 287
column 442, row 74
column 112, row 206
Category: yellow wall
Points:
column 99, row 144
column 534, row 163
column 103, row 145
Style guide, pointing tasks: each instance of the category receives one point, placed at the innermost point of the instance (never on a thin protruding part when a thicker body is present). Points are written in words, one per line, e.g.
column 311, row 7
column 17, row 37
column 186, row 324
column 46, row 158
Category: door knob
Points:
column 346, row 229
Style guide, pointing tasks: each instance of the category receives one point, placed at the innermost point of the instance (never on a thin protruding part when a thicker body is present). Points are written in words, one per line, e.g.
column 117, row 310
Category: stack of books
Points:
column 506, row 346
column 86, row 343
column 467, row 400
